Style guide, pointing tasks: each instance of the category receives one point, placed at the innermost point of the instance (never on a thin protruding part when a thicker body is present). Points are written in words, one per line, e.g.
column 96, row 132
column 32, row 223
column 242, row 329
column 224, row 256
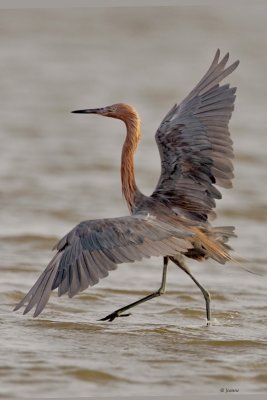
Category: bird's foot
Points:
column 113, row 315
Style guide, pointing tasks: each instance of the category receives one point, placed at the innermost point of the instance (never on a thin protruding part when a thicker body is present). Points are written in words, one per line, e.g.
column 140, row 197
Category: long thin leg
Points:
column 159, row 292
column 181, row 264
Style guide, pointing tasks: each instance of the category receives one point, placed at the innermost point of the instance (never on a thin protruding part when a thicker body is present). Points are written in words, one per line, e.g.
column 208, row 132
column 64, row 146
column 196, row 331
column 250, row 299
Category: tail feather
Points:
column 214, row 240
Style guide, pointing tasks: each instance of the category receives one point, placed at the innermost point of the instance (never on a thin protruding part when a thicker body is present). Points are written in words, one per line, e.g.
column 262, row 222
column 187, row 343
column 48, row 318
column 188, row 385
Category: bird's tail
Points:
column 214, row 241
column 222, row 234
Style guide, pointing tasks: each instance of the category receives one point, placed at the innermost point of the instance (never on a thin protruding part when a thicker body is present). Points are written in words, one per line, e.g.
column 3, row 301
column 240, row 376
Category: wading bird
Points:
column 174, row 222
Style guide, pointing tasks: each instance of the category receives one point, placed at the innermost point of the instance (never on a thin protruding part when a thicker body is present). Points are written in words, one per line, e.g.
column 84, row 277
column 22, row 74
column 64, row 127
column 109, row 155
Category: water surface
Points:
column 58, row 169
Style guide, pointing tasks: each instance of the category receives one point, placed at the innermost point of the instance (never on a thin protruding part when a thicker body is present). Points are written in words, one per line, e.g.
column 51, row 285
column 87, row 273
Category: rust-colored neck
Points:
column 129, row 187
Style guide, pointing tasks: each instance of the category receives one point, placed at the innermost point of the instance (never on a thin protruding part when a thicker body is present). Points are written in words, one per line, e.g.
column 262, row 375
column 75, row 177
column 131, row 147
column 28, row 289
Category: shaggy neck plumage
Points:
column 129, row 187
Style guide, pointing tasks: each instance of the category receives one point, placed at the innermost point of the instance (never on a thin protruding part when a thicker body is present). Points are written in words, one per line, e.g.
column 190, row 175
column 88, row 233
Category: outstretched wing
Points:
column 93, row 248
column 195, row 146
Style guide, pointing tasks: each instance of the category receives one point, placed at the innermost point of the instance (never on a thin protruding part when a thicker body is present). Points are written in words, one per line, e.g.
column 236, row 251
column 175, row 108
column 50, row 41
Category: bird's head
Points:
column 121, row 111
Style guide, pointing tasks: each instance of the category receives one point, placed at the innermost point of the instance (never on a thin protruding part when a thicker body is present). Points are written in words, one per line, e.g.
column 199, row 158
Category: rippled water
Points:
column 58, row 169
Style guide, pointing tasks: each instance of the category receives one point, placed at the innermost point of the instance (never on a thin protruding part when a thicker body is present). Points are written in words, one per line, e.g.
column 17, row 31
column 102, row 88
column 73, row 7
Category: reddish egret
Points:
column 174, row 222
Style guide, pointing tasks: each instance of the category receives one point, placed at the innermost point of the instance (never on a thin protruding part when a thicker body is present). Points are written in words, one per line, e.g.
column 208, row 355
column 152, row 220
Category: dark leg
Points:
column 160, row 291
column 181, row 264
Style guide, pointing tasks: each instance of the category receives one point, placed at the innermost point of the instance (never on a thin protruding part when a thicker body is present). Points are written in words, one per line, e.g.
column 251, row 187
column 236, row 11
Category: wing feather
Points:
column 84, row 277
column 195, row 146
column 93, row 248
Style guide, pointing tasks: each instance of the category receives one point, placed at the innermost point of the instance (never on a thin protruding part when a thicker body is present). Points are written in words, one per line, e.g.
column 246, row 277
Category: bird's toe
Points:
column 113, row 315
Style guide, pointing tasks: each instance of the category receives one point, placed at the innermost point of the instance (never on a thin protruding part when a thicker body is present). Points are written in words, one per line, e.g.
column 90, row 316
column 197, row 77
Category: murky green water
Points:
column 58, row 169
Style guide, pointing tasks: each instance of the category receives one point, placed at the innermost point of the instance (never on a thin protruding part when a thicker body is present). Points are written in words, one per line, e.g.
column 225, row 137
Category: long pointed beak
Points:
column 88, row 111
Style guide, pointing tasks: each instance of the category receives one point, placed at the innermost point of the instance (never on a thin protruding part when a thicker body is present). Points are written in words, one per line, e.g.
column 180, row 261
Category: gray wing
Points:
column 93, row 248
column 195, row 146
